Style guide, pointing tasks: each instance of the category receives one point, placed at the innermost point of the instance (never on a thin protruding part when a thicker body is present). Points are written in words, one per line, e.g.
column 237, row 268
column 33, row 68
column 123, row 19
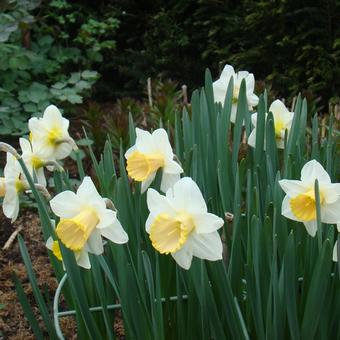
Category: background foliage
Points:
column 45, row 47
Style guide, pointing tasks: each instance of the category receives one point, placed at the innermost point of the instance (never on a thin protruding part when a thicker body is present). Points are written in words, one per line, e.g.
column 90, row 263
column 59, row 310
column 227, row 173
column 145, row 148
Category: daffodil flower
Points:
column 299, row 203
column 220, row 87
column 81, row 256
column 84, row 219
column 150, row 153
column 179, row 224
column 33, row 161
column 12, row 185
column 282, row 121
column 50, row 136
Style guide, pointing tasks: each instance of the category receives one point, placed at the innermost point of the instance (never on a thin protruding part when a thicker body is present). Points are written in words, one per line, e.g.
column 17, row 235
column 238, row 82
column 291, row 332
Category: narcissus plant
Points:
column 179, row 224
column 299, row 203
column 150, row 153
column 50, row 136
column 220, row 87
column 84, row 219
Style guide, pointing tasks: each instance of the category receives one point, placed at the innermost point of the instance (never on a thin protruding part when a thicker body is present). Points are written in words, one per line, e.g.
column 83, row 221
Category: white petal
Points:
column 25, row 146
column 183, row 257
column 338, row 227
column 94, row 243
column 277, row 107
column 83, row 259
column 169, row 180
column 311, row 227
column 252, row 99
column 188, row 197
column 252, row 138
column 162, row 143
column 220, row 90
column 207, row 223
column 130, row 151
column 293, row 187
column 207, row 246
column 158, row 204
column 144, row 141
column 147, row 182
column 49, row 243
column 66, row 204
column 313, row 170
column 149, row 222
column 41, row 176
column 52, row 116
column 335, row 252
column 254, row 119
column 115, row 233
column 286, row 211
column 330, row 213
column 227, row 73
column 233, row 113
column 62, row 151
column 12, row 168
column 250, row 80
column 106, row 218
column 10, row 205
column 88, row 194
column 45, row 150
column 172, row 167
column 331, row 192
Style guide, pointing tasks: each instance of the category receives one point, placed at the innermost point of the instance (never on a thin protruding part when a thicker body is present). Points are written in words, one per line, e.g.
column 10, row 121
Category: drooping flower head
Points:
column 49, row 135
column 282, row 121
column 299, row 203
column 179, row 224
column 33, row 161
column 84, row 219
column 220, row 87
column 150, row 153
column 11, row 186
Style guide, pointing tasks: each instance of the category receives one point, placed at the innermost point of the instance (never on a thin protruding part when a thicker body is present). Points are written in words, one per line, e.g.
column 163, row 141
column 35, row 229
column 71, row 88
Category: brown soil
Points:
column 13, row 324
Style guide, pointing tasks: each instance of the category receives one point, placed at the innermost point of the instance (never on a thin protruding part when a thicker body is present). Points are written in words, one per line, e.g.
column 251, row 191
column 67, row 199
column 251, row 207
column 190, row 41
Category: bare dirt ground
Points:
column 13, row 324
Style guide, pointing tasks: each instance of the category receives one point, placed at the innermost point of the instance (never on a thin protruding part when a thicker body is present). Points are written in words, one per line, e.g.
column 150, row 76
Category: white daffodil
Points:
column 282, row 121
column 82, row 256
column 12, row 184
column 150, row 153
column 33, row 161
column 220, row 87
column 84, row 219
column 299, row 203
column 180, row 224
column 50, row 136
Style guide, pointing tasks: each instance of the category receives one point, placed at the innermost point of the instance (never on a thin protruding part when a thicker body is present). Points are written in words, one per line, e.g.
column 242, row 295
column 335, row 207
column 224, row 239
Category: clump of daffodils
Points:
column 299, row 203
column 282, row 122
column 220, row 87
column 84, row 219
column 180, row 224
column 151, row 153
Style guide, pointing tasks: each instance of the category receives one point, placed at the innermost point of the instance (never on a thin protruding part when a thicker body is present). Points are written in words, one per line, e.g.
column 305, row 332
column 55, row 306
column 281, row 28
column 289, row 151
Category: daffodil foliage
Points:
column 210, row 235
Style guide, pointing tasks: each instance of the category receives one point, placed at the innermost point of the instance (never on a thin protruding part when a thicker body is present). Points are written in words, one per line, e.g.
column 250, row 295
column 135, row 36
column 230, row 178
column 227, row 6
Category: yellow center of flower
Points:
column 37, row 163
column 304, row 206
column 279, row 127
column 56, row 250
column 20, row 186
column 140, row 166
column 74, row 232
column 168, row 234
column 30, row 137
column 2, row 187
column 54, row 135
